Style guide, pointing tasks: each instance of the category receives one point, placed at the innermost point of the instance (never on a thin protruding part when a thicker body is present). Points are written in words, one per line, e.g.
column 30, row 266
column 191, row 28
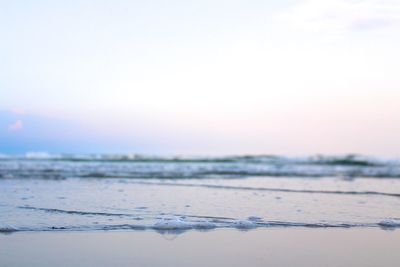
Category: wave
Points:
column 285, row 190
column 47, row 166
column 141, row 218
column 179, row 225
column 347, row 160
column 57, row 171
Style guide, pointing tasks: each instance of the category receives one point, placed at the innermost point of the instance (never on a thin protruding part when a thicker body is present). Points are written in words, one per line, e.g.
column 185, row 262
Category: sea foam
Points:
column 389, row 223
column 171, row 224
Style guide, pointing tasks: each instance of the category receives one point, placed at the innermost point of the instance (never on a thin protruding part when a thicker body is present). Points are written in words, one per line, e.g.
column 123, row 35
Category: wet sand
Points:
column 222, row 247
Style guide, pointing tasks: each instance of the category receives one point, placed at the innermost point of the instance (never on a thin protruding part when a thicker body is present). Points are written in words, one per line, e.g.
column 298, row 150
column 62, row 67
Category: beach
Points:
column 266, row 247
column 234, row 211
column 200, row 133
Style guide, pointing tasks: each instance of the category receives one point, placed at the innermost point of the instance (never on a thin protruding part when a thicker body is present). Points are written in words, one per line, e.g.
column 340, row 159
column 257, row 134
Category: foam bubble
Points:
column 171, row 224
column 204, row 225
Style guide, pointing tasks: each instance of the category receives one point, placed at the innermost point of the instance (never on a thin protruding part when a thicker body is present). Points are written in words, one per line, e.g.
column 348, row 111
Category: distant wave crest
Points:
column 62, row 166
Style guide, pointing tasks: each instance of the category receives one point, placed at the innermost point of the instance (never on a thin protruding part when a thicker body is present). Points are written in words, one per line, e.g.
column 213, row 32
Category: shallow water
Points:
column 64, row 193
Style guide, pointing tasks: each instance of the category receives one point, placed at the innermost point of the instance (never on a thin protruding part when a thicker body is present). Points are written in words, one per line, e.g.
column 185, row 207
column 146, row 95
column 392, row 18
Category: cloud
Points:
column 341, row 16
column 16, row 126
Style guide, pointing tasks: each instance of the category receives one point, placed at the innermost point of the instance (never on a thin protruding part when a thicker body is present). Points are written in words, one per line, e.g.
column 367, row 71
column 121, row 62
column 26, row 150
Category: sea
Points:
column 103, row 192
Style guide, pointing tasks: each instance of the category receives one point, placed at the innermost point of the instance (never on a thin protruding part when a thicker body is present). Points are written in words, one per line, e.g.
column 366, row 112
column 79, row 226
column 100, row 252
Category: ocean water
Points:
column 41, row 192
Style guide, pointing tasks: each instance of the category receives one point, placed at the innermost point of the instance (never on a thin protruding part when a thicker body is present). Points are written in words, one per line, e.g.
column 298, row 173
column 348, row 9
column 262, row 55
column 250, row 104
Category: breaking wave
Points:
column 47, row 166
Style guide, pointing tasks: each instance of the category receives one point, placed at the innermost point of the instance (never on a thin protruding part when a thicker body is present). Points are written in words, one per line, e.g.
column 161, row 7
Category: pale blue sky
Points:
column 200, row 77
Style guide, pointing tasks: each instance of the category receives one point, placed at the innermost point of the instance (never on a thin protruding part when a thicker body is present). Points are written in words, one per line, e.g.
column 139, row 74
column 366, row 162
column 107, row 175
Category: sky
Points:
column 200, row 77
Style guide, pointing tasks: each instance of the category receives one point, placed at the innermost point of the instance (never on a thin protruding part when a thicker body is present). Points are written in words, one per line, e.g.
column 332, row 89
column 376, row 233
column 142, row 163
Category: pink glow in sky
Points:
column 16, row 126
